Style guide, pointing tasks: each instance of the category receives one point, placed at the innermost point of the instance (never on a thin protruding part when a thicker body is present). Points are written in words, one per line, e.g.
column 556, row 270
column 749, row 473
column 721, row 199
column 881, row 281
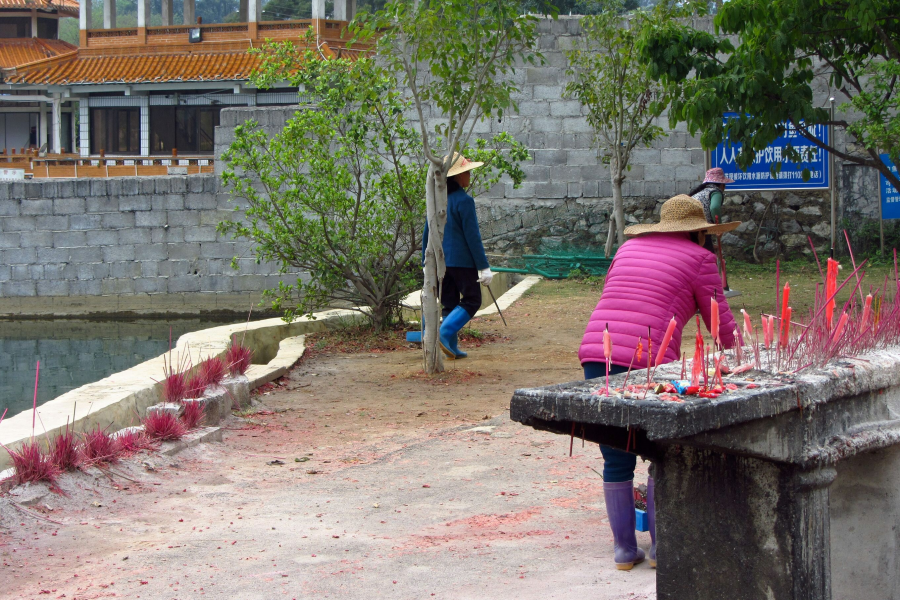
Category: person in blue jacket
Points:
column 467, row 264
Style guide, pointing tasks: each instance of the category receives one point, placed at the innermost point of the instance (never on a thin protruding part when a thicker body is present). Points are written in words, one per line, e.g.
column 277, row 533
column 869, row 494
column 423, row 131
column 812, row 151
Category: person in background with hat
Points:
column 467, row 263
column 662, row 271
column 711, row 193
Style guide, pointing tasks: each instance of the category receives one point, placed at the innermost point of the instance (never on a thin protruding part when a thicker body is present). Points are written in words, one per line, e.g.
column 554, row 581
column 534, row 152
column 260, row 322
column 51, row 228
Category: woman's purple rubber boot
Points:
column 620, row 509
column 651, row 519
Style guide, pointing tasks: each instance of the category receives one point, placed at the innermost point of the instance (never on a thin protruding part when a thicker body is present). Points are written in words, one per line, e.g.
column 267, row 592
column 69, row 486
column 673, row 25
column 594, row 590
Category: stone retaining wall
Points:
column 142, row 244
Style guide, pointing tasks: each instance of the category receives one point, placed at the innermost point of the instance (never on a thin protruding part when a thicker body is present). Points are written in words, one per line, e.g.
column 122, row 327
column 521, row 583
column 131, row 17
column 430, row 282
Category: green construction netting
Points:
column 559, row 263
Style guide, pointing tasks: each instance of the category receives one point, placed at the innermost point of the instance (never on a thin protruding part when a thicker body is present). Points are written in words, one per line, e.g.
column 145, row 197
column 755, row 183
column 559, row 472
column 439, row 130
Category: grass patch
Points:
column 553, row 289
column 359, row 337
column 470, row 333
column 757, row 284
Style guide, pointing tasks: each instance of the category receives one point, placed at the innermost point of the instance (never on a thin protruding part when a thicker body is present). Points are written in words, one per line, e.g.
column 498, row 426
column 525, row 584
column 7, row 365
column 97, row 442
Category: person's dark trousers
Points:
column 460, row 288
column 618, row 465
column 618, row 488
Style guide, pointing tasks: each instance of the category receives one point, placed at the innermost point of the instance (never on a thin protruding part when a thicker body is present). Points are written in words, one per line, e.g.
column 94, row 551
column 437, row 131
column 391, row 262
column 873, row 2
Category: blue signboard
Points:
column 890, row 197
column 759, row 175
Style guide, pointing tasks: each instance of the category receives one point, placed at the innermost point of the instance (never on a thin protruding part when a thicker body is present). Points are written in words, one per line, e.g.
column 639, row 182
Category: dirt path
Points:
column 393, row 486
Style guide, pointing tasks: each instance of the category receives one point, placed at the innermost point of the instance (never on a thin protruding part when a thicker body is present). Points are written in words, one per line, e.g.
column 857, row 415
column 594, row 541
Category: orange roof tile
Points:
column 69, row 7
column 226, row 61
column 75, row 68
column 21, row 51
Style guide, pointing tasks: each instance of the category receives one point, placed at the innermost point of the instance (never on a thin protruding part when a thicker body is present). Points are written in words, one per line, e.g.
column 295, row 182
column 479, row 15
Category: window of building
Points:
column 15, row 27
column 116, row 130
column 18, row 131
column 189, row 129
column 48, row 29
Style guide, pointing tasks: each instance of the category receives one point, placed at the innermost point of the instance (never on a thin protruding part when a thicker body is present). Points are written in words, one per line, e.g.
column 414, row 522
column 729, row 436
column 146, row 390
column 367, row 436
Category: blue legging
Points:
column 618, row 465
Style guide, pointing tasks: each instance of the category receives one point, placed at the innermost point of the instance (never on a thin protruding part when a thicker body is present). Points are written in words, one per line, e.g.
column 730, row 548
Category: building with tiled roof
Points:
column 64, row 8
column 145, row 91
column 29, row 32
column 21, row 51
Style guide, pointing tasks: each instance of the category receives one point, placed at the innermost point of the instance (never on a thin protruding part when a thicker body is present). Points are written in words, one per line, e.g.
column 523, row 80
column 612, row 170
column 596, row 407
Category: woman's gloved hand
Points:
column 485, row 276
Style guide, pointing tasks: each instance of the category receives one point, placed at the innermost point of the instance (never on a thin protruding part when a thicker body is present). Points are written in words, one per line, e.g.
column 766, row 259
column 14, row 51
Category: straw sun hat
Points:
column 681, row 214
column 461, row 164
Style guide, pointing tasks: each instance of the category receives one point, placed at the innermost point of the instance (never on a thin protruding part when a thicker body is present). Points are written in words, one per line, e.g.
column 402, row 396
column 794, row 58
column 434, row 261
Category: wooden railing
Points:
column 74, row 165
column 213, row 32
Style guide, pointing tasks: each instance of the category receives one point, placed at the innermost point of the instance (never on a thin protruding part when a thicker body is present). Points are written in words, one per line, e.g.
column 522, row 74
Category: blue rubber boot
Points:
column 454, row 344
column 454, row 339
column 449, row 329
column 620, row 509
column 651, row 519
column 415, row 337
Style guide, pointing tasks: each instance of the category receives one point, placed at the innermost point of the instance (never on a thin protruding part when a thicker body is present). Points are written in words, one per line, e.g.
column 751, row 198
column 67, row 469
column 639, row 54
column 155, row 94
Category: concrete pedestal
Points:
column 787, row 491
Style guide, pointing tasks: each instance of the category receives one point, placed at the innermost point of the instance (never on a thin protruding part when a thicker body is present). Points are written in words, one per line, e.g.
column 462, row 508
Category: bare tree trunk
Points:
column 435, row 267
column 758, row 229
column 610, row 235
column 618, row 214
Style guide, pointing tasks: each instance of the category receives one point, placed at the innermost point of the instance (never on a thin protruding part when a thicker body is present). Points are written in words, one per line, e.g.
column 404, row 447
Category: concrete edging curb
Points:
column 117, row 400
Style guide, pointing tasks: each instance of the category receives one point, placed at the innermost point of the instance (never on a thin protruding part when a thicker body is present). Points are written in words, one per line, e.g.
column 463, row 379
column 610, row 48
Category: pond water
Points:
column 73, row 353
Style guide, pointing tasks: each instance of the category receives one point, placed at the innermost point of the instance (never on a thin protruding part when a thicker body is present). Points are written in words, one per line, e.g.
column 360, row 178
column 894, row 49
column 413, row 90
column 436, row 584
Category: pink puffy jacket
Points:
column 653, row 278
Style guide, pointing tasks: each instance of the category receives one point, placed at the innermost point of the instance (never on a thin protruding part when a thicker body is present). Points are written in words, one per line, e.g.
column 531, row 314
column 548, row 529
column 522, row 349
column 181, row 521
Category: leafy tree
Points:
column 333, row 193
column 339, row 192
column 456, row 58
column 621, row 98
column 785, row 47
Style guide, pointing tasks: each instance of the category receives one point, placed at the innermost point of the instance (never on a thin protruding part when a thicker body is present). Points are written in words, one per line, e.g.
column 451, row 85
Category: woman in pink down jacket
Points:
column 661, row 272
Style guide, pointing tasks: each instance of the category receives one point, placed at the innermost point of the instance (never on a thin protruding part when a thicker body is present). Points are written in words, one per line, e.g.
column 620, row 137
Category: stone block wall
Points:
column 566, row 198
column 140, row 243
column 150, row 244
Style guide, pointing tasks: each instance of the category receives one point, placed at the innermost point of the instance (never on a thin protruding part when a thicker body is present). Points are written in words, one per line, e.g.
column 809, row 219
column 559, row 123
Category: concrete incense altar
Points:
column 786, row 487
